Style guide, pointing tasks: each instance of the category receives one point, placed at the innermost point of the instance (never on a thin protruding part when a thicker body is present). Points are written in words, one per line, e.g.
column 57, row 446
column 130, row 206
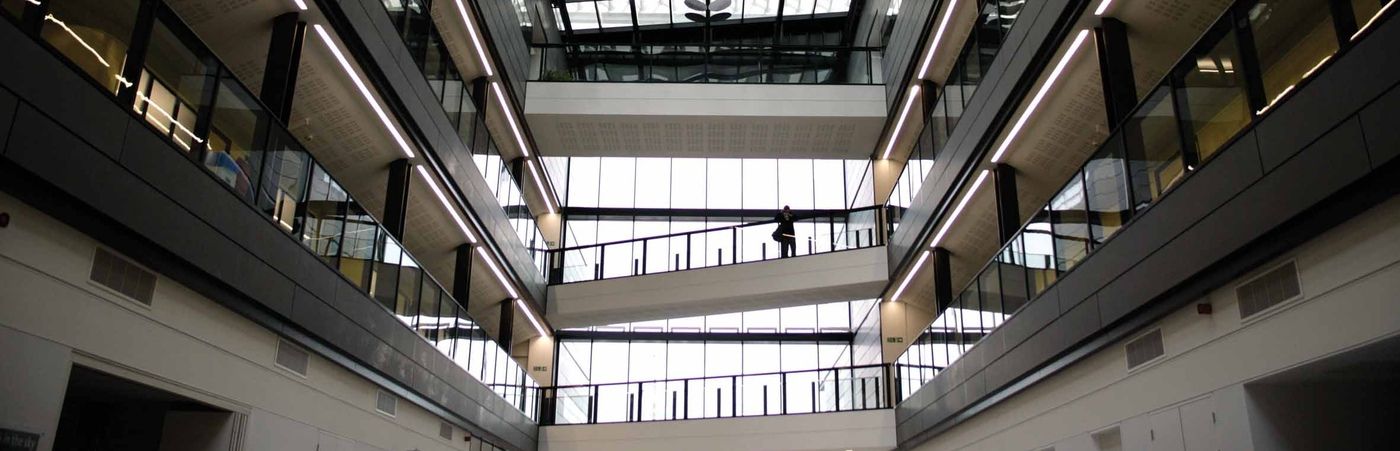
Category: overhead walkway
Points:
column 840, row 257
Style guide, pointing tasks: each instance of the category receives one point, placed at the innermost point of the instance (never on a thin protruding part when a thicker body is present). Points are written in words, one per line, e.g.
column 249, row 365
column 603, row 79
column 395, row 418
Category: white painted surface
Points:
column 864, row 430
column 806, row 280
column 1349, row 279
column 50, row 316
column 705, row 120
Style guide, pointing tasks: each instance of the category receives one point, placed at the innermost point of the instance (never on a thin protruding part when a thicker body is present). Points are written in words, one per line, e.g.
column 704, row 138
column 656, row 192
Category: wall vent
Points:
column 292, row 358
column 122, row 276
column 386, row 403
column 1272, row 288
column 1144, row 349
column 445, row 430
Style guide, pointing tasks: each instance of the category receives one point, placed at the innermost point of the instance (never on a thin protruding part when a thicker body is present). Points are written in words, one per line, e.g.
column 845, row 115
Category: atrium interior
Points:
column 805, row 225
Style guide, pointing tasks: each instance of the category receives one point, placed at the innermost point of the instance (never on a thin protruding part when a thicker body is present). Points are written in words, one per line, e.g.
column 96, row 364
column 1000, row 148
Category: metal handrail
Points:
column 716, row 229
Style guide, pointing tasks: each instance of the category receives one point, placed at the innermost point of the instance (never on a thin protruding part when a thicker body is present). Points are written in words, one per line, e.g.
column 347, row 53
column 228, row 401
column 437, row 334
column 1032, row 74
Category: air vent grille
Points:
column 1145, row 349
column 1272, row 288
column 292, row 358
column 386, row 403
column 123, row 276
column 445, row 430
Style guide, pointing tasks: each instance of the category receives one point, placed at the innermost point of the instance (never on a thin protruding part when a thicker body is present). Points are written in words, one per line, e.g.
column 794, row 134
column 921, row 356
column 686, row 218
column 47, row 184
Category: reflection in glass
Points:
column 1039, row 253
column 236, row 137
column 1292, row 38
column 1212, row 96
column 94, row 35
column 1067, row 211
column 170, row 93
column 1153, row 148
column 325, row 209
column 1106, row 191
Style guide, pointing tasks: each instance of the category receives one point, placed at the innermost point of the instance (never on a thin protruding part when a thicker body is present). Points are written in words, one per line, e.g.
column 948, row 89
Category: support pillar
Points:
column 462, row 275
column 942, row 279
column 507, row 329
column 1115, row 70
column 478, row 92
column 928, row 97
column 1008, row 203
column 283, row 60
column 396, row 197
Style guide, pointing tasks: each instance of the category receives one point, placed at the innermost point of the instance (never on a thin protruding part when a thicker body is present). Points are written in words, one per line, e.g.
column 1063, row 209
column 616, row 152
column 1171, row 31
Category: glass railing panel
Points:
column 1153, row 141
column 1106, row 191
column 93, row 35
column 1068, row 215
column 1211, row 97
column 1367, row 11
column 1292, row 37
column 736, row 63
column 286, row 173
column 236, row 136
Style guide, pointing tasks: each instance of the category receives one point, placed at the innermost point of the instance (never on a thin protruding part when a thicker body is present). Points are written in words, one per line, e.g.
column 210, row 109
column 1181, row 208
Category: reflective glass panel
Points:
column 1292, row 37
column 92, row 34
column 1212, row 96
column 236, row 137
column 1067, row 211
column 1153, row 147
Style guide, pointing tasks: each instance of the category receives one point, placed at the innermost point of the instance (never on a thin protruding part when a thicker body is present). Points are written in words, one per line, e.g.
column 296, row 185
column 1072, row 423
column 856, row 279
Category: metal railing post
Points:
column 782, row 392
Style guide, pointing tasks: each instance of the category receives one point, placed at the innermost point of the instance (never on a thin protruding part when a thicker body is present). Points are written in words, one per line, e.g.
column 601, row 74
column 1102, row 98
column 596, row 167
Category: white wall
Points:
column 1349, row 279
column 182, row 343
column 830, row 277
column 863, row 430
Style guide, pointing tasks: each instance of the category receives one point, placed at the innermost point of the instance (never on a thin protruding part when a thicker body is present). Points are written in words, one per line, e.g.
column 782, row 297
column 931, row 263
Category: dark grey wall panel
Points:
column 8, row 104
column 507, row 41
column 1378, row 123
column 53, row 87
column 902, row 50
column 193, row 229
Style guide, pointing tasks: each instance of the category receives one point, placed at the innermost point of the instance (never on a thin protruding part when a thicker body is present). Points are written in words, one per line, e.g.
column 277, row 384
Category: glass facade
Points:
column 1202, row 105
column 185, row 94
column 730, row 63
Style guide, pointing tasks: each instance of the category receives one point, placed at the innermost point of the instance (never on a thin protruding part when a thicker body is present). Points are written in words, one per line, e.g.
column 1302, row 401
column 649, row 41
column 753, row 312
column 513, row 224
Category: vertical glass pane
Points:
column 1212, row 96
column 1106, row 191
column 426, row 320
column 1067, row 211
column 178, row 71
column 724, row 186
column 1366, row 11
column 1014, row 288
column 357, row 246
column 616, row 185
column 410, row 282
column 795, row 184
column 829, row 184
column 687, row 183
column 989, row 283
column 236, row 136
column 92, row 34
column 385, row 285
column 1292, row 37
column 653, row 183
column 583, row 181
column 1153, row 148
column 284, row 181
column 1039, row 253
column 325, row 207
column 760, row 184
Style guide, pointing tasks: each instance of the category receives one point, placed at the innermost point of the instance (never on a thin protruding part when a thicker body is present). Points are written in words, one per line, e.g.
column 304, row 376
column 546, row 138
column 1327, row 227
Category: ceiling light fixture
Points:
column 937, row 239
column 1039, row 96
column 1102, row 7
column 364, row 91
column 937, row 37
column 531, row 315
column 1378, row 15
column 909, row 277
column 539, row 183
column 510, row 289
column 889, row 147
column 510, row 118
column 300, row 4
column 476, row 41
column 471, row 237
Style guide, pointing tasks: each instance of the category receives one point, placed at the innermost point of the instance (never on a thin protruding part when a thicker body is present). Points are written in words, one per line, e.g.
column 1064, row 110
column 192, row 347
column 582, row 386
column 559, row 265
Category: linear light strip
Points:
column 476, row 41
column 531, row 315
column 1039, row 96
column 539, row 183
column 300, row 4
column 510, row 119
column 898, row 126
column 495, row 269
column 364, row 91
column 461, row 225
column 937, row 37
column 937, row 239
column 1373, row 20
column 910, row 277
column 1103, row 7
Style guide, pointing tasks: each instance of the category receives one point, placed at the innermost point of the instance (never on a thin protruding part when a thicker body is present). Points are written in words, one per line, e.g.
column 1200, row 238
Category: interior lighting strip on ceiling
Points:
column 909, row 103
column 539, row 183
column 510, row 118
column 909, row 277
column 364, row 91
column 1103, row 7
column 300, row 4
column 530, row 314
column 476, row 40
column 496, row 269
column 1040, row 96
column 457, row 219
column 937, row 37
column 938, row 239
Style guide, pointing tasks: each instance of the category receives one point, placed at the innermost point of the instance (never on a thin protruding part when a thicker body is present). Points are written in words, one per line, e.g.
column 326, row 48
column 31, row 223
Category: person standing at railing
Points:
column 786, row 235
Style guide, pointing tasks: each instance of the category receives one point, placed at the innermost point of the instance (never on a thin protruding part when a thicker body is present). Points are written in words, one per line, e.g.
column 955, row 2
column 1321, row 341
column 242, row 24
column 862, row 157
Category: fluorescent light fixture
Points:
column 531, row 315
column 300, row 4
column 937, row 37
column 1039, row 96
column 461, row 225
column 1103, row 6
column 909, row 277
column 1378, row 15
column 510, row 289
column 476, row 41
column 539, row 183
column 889, row 147
column 958, row 210
column 510, row 118
column 364, row 91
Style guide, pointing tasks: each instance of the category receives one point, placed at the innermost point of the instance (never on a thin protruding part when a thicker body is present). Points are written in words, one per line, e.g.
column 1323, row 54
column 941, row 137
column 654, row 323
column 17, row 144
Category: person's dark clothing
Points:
column 786, row 235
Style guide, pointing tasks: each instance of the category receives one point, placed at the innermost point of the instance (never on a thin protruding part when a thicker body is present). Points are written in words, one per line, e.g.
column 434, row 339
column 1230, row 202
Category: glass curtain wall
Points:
column 425, row 45
column 188, row 96
column 1235, row 73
